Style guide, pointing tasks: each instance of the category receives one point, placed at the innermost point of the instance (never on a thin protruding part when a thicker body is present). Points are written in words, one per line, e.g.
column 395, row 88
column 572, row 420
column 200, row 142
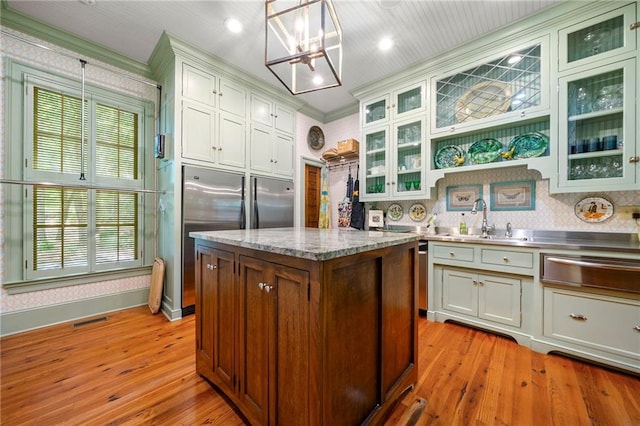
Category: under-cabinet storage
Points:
column 489, row 297
column 589, row 321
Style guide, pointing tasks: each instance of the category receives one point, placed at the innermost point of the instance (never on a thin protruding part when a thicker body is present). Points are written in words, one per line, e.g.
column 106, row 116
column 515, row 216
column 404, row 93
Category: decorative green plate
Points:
column 394, row 212
column 449, row 156
column 528, row 145
column 484, row 151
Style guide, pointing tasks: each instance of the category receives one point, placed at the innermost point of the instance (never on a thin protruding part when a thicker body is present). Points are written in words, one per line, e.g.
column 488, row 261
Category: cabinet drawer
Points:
column 453, row 253
column 601, row 322
column 507, row 258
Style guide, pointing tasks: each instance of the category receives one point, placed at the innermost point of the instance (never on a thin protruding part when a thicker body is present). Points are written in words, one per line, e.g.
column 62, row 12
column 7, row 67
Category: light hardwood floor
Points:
column 136, row 368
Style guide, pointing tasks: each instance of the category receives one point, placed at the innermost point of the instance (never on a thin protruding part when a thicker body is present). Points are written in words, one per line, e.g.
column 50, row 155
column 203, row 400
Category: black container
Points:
column 610, row 142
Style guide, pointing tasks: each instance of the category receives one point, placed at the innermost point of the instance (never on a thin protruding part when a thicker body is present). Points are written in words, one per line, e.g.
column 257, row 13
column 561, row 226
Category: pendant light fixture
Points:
column 303, row 44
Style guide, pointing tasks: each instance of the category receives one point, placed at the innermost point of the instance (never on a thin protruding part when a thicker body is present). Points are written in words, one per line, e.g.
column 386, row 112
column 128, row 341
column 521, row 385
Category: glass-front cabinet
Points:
column 394, row 161
column 510, row 87
column 597, row 140
column 397, row 104
column 598, row 38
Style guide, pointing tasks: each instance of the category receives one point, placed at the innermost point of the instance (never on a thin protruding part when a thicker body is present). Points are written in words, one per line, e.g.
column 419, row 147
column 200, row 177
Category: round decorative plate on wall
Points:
column 594, row 209
column 315, row 138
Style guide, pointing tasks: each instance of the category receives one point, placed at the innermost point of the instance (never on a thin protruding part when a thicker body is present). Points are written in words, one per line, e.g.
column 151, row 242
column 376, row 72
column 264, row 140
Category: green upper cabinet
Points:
column 598, row 38
column 511, row 85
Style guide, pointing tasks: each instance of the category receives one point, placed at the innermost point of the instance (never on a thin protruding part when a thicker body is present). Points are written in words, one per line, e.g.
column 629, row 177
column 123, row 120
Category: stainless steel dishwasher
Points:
column 423, row 277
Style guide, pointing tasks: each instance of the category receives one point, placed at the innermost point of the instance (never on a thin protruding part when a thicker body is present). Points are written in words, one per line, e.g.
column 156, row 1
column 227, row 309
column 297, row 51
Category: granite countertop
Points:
column 308, row 243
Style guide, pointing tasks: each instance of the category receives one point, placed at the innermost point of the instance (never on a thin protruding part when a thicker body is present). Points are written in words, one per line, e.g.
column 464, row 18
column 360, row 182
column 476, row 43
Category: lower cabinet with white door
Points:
column 468, row 287
column 598, row 325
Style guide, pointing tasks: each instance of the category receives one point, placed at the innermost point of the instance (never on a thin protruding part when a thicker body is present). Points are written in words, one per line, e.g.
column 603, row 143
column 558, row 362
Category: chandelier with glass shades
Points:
column 303, row 44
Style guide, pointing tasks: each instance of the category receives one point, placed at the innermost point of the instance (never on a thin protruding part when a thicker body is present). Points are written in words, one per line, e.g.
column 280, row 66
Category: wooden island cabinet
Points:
column 306, row 326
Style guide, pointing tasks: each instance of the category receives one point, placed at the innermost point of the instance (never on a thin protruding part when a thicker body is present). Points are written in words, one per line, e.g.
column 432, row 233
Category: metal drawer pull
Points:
column 578, row 317
column 637, row 328
column 452, row 254
column 593, row 264
column 474, row 282
column 505, row 259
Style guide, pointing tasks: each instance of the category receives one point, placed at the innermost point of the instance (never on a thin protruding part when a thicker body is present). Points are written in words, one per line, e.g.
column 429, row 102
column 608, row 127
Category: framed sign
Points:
column 461, row 198
column 513, row 195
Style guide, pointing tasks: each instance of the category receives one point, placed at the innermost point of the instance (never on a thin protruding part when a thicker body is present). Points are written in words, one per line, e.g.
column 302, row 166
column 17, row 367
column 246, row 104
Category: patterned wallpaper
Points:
column 95, row 73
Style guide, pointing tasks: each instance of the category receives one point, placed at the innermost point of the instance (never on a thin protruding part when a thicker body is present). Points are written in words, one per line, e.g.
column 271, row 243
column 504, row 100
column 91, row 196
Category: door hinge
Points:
column 26, row 264
column 308, row 293
column 634, row 26
column 26, row 163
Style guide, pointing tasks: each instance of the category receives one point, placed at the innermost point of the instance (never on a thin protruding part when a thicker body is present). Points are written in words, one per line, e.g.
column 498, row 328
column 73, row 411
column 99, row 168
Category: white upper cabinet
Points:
column 199, row 86
column 513, row 85
column 598, row 38
column 271, row 137
column 213, row 119
column 395, row 104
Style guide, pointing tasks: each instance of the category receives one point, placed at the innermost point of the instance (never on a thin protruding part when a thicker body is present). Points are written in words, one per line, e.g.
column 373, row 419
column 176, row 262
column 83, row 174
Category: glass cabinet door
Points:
column 409, row 158
column 376, row 159
column 408, row 100
column 598, row 38
column 375, row 112
column 597, row 137
column 512, row 82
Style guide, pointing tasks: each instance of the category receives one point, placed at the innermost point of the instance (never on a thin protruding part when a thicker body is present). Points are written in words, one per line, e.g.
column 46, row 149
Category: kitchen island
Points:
column 306, row 326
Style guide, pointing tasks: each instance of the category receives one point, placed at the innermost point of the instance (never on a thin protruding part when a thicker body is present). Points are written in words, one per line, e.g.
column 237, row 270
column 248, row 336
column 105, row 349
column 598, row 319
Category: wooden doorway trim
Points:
column 304, row 161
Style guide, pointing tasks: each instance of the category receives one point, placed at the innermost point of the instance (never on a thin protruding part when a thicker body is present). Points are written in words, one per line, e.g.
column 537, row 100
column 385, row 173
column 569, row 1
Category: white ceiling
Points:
column 421, row 29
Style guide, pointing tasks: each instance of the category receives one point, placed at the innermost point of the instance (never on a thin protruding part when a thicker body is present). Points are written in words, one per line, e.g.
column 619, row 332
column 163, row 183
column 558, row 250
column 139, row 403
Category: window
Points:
column 70, row 229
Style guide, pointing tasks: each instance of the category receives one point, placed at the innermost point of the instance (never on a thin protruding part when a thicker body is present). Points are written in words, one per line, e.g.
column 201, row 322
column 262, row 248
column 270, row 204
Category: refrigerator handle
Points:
column 256, row 221
column 243, row 216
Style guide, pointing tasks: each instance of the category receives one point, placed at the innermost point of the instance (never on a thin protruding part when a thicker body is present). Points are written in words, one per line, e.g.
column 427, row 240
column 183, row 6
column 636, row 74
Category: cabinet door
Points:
column 215, row 314
column 598, row 128
column 460, row 292
column 284, row 119
column 233, row 98
column 283, row 155
column 509, row 88
column 375, row 111
column 598, row 38
column 232, row 140
column 605, row 323
column 408, row 100
column 198, row 132
column 499, row 299
column 199, row 86
column 255, row 321
column 408, row 168
column 261, row 149
column 261, row 110
column 290, row 372
column 376, row 161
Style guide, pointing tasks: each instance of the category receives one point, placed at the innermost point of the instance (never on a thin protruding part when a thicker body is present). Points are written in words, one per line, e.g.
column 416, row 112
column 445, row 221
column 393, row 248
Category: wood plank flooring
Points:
column 136, row 368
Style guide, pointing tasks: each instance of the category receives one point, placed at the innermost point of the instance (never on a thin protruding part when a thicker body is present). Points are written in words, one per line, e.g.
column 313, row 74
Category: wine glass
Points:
column 582, row 100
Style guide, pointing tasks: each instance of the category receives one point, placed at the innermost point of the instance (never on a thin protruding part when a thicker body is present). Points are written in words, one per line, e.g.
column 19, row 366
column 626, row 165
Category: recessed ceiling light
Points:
column 233, row 25
column 385, row 44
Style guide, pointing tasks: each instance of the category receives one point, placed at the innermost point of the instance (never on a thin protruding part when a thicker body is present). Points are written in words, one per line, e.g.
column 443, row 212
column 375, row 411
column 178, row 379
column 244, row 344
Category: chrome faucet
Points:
column 486, row 228
column 509, row 232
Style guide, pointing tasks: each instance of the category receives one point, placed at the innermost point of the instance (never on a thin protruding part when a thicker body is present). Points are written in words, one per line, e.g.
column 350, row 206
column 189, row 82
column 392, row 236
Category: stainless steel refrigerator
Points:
column 214, row 200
